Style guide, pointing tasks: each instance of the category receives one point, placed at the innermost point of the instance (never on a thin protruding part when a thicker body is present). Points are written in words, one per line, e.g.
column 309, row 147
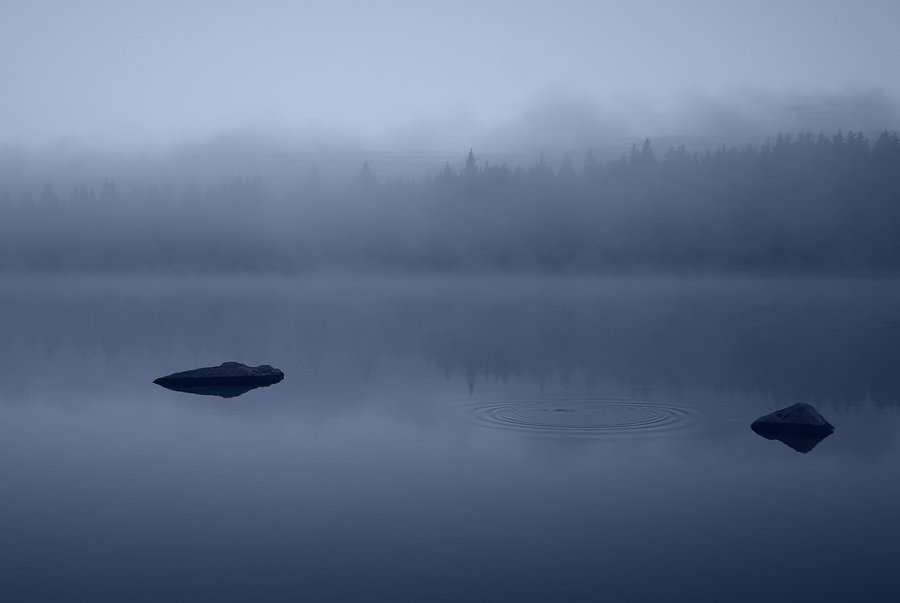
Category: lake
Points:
column 448, row 439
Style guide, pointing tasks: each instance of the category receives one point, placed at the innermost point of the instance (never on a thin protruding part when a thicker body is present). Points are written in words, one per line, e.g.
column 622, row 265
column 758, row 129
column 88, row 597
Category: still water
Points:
column 458, row 439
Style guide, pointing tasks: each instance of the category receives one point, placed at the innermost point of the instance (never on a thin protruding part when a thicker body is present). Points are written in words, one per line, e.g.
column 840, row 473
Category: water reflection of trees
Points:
column 819, row 340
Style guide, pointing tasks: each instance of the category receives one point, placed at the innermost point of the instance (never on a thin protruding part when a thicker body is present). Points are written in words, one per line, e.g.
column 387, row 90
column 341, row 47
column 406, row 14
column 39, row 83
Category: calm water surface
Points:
column 448, row 439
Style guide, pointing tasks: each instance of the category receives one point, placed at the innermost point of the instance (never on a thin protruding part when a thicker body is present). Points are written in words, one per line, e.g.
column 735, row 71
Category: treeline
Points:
column 806, row 203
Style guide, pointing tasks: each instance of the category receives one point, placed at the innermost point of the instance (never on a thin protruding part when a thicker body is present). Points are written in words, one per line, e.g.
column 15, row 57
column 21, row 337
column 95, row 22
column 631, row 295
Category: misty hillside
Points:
column 805, row 203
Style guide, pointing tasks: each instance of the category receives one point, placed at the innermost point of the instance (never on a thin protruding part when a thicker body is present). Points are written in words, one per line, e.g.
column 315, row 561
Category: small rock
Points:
column 800, row 427
column 799, row 419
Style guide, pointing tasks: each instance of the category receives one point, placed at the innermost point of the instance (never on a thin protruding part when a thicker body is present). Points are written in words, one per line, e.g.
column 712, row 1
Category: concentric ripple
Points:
column 583, row 416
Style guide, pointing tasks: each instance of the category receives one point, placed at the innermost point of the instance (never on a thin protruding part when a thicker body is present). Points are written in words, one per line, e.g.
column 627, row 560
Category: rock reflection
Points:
column 222, row 391
column 800, row 443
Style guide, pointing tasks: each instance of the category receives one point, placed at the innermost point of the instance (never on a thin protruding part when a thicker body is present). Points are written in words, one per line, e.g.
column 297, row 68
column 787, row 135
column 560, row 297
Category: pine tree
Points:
column 366, row 179
column 471, row 167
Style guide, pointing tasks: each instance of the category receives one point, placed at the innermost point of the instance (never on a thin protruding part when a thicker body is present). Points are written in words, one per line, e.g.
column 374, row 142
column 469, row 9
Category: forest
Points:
column 798, row 204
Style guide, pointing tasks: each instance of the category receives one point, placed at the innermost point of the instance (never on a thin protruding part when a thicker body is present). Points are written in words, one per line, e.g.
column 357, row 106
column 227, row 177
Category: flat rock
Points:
column 799, row 419
column 228, row 374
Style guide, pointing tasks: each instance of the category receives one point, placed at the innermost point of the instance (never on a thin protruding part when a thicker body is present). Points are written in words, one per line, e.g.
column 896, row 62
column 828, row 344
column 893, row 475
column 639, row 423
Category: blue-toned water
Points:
column 453, row 439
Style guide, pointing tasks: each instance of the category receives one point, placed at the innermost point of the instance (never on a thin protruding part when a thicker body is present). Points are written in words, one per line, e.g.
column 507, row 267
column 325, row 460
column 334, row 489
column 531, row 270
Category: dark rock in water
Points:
column 227, row 380
column 799, row 426
column 800, row 419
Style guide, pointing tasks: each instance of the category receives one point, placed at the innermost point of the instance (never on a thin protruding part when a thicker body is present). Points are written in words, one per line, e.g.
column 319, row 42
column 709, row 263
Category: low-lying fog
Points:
column 552, row 125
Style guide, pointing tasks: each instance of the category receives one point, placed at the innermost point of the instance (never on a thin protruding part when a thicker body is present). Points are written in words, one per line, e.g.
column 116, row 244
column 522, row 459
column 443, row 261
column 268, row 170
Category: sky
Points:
column 421, row 72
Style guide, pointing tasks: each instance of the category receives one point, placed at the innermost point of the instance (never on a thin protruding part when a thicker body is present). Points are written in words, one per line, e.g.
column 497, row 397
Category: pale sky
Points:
column 169, row 70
